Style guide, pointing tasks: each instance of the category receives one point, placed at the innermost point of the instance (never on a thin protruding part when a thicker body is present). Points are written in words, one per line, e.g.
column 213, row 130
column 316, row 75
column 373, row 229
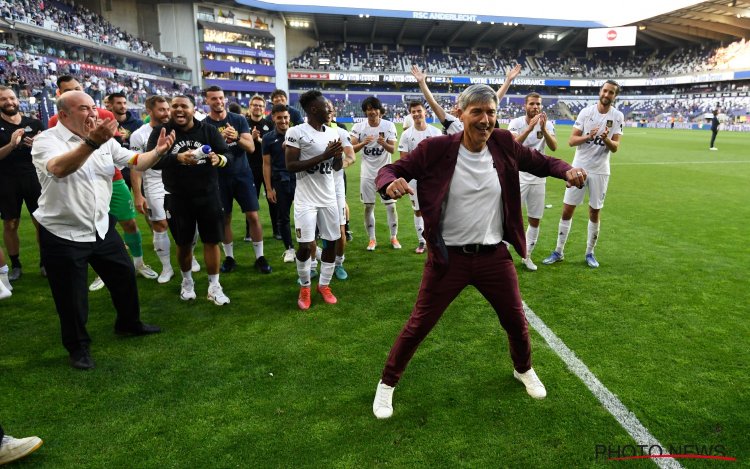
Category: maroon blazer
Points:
column 432, row 164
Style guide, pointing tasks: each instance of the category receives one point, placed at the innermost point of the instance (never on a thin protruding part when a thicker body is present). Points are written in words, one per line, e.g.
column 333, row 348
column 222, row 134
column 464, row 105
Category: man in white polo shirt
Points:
column 75, row 162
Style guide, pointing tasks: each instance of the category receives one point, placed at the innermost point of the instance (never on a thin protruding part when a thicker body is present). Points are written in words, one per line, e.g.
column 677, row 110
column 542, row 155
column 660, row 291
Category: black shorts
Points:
column 16, row 190
column 183, row 213
column 239, row 187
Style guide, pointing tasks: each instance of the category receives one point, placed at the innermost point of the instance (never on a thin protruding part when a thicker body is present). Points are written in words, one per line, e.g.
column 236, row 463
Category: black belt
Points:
column 472, row 249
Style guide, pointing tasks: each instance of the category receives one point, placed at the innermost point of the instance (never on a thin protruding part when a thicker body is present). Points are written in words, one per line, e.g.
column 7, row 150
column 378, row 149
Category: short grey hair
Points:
column 476, row 94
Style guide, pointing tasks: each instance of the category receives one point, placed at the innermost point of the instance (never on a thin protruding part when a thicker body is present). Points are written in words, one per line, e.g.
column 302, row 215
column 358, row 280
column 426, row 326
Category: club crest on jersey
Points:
column 538, row 134
column 609, row 123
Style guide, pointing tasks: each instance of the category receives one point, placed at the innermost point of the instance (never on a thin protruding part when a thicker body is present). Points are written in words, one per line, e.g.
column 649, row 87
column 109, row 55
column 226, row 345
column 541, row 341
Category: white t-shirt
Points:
column 408, row 122
column 138, row 142
column 534, row 140
column 593, row 156
column 472, row 212
column 374, row 156
column 315, row 186
column 411, row 137
column 338, row 176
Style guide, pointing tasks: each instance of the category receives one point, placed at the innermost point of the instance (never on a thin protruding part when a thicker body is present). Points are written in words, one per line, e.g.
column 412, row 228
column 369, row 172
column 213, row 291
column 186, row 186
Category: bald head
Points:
column 72, row 99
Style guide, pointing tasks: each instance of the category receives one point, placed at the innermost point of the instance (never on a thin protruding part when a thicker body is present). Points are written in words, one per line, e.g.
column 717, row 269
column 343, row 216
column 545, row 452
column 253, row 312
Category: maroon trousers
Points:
column 494, row 275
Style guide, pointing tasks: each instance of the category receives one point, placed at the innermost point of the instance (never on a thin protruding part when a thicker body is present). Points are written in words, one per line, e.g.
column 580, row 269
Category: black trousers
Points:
column 284, row 199
column 713, row 137
column 258, row 180
column 67, row 272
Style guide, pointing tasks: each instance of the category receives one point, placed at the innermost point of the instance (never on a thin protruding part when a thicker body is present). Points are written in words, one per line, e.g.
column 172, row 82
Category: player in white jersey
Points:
column 408, row 121
column 451, row 123
column 410, row 138
column 338, row 177
column 533, row 131
column 153, row 187
column 314, row 151
column 376, row 138
column 596, row 133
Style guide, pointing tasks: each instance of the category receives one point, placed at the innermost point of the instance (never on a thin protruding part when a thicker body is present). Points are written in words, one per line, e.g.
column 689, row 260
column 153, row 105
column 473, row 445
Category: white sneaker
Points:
column 529, row 264
column 713, row 148
column 195, row 267
column 289, row 255
column 165, row 275
column 6, row 281
column 145, row 271
column 97, row 284
column 534, row 386
column 187, row 290
column 382, row 406
column 16, row 448
column 4, row 292
column 216, row 294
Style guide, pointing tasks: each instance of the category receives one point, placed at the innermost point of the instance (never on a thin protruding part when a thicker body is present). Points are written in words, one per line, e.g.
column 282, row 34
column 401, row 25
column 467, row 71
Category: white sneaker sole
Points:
column 218, row 302
column 187, row 296
column 165, row 278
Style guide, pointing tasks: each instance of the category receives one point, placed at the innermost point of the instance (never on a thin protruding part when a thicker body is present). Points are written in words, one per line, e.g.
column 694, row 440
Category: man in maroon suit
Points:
column 469, row 195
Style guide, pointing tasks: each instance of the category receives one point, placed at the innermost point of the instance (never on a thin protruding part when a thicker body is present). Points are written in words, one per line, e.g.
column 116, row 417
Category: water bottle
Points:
column 202, row 152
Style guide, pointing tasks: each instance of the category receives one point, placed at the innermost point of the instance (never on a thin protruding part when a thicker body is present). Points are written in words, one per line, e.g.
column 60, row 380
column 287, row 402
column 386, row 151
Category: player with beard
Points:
column 533, row 131
column 19, row 183
column 192, row 185
column 596, row 134
column 127, row 124
column 236, row 179
column 410, row 138
column 121, row 205
column 314, row 151
column 149, row 183
column 259, row 127
column 376, row 138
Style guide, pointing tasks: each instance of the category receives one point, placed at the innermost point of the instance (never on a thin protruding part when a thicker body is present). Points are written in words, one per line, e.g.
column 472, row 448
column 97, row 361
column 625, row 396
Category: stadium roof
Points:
column 661, row 23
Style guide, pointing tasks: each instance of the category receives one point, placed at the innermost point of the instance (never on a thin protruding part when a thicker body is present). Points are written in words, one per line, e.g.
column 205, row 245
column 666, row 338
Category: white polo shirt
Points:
column 76, row 207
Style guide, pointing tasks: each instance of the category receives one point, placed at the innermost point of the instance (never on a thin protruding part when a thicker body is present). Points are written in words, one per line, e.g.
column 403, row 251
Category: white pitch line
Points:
column 679, row 162
column 624, row 417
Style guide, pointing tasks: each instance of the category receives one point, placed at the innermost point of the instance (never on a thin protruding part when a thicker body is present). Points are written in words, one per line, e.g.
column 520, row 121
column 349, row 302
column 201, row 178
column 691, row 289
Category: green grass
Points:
column 663, row 324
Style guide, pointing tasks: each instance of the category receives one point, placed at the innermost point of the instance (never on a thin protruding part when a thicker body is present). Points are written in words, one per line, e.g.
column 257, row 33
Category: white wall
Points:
column 179, row 34
column 298, row 40
column 123, row 14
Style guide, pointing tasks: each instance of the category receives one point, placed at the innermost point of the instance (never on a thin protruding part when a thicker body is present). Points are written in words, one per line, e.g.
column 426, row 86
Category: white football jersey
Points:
column 411, row 137
column 535, row 140
column 374, row 156
column 338, row 176
column 138, row 142
column 315, row 186
column 454, row 125
column 593, row 156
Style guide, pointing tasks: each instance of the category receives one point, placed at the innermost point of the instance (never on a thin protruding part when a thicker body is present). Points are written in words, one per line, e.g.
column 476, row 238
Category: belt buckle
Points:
column 470, row 249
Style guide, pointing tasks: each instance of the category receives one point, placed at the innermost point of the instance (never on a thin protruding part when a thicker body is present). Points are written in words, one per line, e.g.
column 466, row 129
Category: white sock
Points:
column 228, row 249
column 593, row 237
column 532, row 234
column 162, row 246
column 213, row 279
column 392, row 214
column 313, row 263
column 195, row 237
column 138, row 261
column 4, row 278
column 303, row 271
column 370, row 220
column 419, row 226
column 258, row 248
column 326, row 273
column 187, row 275
column 563, row 228
column 339, row 261
column 4, row 269
column 318, row 253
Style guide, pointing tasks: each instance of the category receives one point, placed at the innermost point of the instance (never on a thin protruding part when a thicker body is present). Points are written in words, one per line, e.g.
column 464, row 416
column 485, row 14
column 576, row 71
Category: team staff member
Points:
column 236, row 179
column 596, row 135
column 75, row 162
column 470, row 199
column 18, row 181
column 280, row 183
column 279, row 96
column 314, row 151
column 192, row 186
column 533, row 131
column 259, row 127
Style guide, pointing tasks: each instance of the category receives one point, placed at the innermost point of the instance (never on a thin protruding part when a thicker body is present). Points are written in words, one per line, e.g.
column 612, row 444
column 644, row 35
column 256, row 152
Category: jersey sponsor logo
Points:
column 374, row 151
column 322, row 168
column 291, row 139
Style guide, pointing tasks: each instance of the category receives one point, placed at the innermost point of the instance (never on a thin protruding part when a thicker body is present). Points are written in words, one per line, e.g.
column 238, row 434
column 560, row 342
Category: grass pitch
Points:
column 663, row 323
